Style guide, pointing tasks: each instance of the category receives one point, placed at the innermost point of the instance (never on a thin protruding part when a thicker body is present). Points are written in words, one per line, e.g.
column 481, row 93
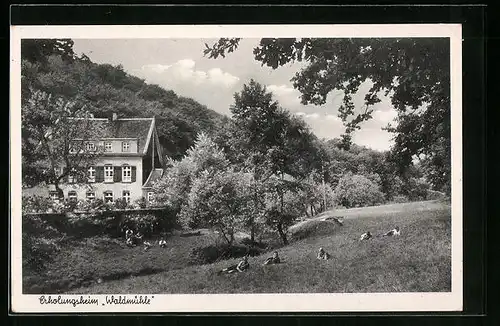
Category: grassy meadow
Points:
column 417, row 261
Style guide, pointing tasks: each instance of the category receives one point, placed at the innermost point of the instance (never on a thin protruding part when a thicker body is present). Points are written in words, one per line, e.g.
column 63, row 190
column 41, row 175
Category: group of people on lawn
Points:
column 321, row 255
column 134, row 239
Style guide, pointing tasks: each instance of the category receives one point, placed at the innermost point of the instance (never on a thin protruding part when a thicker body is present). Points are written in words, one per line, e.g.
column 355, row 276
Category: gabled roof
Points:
column 155, row 175
column 140, row 128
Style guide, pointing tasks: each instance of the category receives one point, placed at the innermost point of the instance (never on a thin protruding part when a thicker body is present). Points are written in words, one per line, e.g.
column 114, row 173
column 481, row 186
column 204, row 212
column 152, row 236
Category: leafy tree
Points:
column 357, row 191
column 415, row 73
column 268, row 137
column 175, row 185
column 314, row 196
column 54, row 136
column 219, row 200
column 37, row 50
column 281, row 206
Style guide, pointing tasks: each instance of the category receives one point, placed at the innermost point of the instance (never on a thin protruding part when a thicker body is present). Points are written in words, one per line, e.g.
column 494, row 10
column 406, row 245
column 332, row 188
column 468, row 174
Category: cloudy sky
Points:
column 179, row 65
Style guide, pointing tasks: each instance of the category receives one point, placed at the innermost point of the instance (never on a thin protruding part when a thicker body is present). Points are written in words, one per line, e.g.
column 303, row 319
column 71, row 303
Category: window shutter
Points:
column 117, row 174
column 134, row 172
column 99, row 174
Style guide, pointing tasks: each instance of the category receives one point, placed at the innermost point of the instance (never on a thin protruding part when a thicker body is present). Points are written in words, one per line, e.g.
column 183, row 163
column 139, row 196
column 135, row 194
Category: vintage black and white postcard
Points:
column 243, row 168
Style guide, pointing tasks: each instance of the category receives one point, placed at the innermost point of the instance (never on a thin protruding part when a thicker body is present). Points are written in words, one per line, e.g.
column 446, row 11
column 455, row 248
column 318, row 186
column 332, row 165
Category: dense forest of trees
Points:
column 262, row 168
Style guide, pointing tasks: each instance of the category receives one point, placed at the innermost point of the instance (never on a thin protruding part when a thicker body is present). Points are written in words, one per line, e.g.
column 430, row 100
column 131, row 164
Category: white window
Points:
column 126, row 195
column 91, row 174
column 108, row 196
column 125, row 146
column 150, row 196
column 53, row 195
column 72, row 196
column 71, row 176
column 126, row 173
column 90, row 195
column 107, row 146
column 90, row 146
column 108, row 173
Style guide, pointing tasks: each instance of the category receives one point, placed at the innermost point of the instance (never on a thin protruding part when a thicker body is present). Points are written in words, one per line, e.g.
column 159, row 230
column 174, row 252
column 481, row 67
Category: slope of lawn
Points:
column 85, row 261
column 417, row 261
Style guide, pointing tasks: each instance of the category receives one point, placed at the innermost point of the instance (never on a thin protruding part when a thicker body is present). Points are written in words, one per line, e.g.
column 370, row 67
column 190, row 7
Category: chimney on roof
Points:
column 114, row 117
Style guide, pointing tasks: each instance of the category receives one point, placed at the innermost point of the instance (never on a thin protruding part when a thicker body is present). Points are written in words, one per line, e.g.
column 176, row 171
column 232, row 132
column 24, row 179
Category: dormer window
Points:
column 125, row 146
column 107, row 146
column 90, row 147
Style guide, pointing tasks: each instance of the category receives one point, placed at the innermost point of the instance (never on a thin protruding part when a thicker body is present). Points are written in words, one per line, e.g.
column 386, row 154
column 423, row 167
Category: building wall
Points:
column 99, row 188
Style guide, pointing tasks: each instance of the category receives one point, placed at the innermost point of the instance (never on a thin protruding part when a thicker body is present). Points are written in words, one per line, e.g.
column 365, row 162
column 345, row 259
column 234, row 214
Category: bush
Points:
column 37, row 252
column 213, row 253
column 415, row 189
column 357, row 191
column 141, row 203
column 121, row 203
column 36, row 204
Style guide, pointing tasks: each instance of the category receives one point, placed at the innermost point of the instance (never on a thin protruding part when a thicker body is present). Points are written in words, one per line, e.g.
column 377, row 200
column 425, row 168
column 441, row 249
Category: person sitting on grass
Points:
column 147, row 245
column 393, row 232
column 322, row 254
column 275, row 259
column 366, row 236
column 128, row 234
column 162, row 243
column 242, row 266
column 137, row 238
column 130, row 242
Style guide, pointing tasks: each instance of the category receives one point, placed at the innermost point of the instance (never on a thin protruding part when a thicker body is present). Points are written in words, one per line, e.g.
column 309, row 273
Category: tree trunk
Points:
column 228, row 240
column 282, row 234
column 60, row 193
column 252, row 233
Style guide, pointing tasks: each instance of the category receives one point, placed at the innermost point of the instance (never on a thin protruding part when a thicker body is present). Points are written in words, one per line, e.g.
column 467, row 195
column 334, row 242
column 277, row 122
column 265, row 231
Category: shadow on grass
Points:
column 35, row 286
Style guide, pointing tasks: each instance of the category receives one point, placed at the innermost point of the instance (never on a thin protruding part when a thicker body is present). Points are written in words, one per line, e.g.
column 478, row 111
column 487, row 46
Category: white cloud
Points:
column 158, row 68
column 183, row 71
column 304, row 115
column 332, row 117
column 280, row 90
column 286, row 96
column 384, row 116
column 217, row 76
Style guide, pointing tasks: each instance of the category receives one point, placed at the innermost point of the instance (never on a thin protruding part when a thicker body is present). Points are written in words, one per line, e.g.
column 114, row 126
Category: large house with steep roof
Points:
column 130, row 161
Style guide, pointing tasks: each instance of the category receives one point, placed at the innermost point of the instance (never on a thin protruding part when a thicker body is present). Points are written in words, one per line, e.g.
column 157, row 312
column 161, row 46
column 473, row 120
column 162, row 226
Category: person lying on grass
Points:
column 366, row 236
column 275, row 259
column 162, row 243
column 393, row 232
column 323, row 254
column 242, row 266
